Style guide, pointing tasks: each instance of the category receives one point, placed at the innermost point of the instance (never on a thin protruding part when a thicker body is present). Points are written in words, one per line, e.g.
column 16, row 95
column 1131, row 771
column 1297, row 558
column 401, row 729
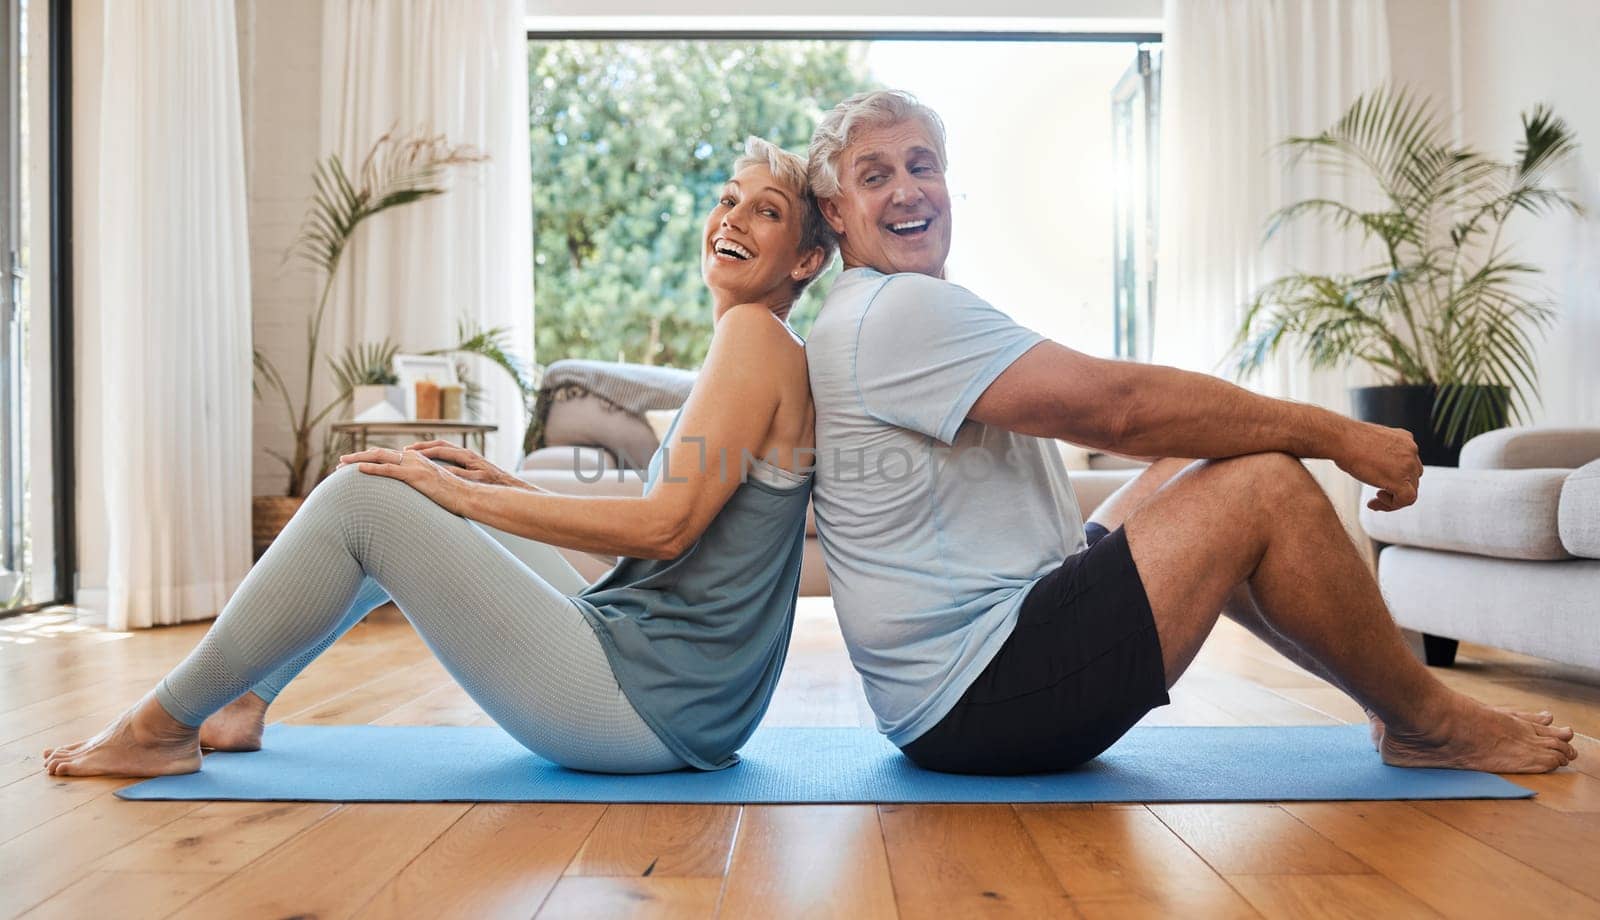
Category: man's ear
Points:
column 830, row 213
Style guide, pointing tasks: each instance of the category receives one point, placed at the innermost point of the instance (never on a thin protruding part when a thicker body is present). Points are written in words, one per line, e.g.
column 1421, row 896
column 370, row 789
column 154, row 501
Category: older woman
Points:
column 668, row 661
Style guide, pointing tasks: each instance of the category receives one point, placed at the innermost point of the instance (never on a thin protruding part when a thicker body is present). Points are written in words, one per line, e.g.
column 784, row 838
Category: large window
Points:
column 1051, row 173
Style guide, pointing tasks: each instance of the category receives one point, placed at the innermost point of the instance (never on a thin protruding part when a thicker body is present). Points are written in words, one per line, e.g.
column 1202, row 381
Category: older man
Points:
column 994, row 631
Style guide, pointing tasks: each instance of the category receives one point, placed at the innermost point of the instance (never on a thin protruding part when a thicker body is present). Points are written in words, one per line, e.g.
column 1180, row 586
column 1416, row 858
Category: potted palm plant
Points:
column 395, row 172
column 1448, row 315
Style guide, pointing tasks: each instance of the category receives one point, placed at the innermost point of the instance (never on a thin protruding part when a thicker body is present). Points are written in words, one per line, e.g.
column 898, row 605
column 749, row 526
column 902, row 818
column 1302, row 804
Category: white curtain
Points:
column 1239, row 77
column 168, row 290
column 457, row 68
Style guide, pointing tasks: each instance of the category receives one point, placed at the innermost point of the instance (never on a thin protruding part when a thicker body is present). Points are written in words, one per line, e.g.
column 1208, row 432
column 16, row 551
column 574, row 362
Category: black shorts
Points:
column 1082, row 665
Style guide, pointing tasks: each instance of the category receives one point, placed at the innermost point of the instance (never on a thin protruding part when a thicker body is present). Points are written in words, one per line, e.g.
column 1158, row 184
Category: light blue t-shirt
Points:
column 933, row 527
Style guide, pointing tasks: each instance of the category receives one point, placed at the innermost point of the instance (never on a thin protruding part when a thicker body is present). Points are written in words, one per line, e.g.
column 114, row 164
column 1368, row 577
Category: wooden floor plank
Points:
column 37, row 864
column 1564, row 847
column 1448, row 870
column 1255, row 839
column 333, row 868
column 659, row 840
column 375, row 699
column 218, row 837
column 499, row 860
column 38, row 798
column 1566, row 790
column 126, row 895
column 67, row 706
column 1248, row 703
column 1330, row 897
column 809, row 861
column 968, row 861
column 1125, row 863
column 667, row 898
column 1330, row 701
column 445, row 705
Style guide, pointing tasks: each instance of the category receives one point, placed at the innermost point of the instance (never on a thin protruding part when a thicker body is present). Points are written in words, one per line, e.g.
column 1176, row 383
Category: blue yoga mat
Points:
column 371, row 763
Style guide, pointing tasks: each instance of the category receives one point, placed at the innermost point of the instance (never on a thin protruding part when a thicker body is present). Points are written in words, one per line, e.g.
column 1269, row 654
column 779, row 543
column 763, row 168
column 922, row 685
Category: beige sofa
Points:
column 1503, row 550
column 590, row 470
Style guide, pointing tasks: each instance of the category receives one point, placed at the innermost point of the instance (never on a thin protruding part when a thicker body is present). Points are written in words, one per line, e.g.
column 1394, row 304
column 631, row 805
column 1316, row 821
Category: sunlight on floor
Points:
column 54, row 623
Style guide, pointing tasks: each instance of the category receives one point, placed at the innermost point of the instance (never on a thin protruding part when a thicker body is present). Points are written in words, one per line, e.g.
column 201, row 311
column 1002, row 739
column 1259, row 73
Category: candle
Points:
column 450, row 401
column 427, row 399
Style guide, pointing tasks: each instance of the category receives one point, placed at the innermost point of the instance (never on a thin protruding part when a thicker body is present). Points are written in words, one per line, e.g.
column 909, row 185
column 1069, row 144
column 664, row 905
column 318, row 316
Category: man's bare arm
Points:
column 1153, row 411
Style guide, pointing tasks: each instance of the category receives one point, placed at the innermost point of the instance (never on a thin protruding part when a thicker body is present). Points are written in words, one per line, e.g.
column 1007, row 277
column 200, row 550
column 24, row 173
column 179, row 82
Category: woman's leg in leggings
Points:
column 514, row 642
column 546, row 561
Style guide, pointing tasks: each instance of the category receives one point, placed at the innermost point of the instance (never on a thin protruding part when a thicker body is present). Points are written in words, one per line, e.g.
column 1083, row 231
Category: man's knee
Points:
column 1275, row 479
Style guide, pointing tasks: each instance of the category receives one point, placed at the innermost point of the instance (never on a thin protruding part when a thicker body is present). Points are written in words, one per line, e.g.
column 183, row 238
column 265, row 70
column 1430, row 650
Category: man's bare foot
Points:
column 1543, row 717
column 237, row 726
column 1467, row 735
column 144, row 741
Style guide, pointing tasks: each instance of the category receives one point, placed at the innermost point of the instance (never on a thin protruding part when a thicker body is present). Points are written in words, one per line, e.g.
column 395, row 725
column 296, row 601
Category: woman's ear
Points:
column 808, row 266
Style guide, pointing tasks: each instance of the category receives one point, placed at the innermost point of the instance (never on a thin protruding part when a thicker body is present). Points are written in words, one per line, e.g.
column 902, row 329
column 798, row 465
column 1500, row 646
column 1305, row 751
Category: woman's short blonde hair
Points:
column 790, row 171
column 864, row 110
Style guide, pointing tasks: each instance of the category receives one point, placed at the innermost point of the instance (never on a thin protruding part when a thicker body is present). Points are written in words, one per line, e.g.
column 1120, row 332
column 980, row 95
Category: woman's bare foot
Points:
column 1467, row 735
column 237, row 726
column 144, row 741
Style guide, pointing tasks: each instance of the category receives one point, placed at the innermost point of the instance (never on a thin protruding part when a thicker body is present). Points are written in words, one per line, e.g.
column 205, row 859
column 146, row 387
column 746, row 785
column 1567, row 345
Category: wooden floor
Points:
column 68, row 848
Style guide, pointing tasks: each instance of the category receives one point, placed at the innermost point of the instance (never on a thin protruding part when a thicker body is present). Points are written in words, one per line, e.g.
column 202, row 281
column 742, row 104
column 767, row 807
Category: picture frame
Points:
column 414, row 368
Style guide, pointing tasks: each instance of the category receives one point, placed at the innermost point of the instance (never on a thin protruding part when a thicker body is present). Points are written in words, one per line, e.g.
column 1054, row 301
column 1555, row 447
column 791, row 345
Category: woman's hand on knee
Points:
column 446, row 490
column 466, row 464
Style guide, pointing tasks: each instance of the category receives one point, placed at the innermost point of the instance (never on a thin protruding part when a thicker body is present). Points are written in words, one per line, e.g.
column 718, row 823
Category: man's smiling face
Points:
column 892, row 212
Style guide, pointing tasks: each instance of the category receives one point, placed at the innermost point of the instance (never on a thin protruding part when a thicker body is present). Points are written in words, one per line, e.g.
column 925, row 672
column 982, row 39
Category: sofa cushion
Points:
column 571, row 458
column 1531, row 448
column 578, row 417
column 1510, row 514
column 1579, row 517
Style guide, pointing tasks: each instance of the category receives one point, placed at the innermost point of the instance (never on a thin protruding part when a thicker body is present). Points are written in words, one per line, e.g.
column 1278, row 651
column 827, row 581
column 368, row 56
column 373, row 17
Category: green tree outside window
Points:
column 630, row 142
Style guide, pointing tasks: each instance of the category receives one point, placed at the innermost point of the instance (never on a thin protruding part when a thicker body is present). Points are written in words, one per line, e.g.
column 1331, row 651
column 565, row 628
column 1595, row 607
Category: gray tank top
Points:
column 698, row 642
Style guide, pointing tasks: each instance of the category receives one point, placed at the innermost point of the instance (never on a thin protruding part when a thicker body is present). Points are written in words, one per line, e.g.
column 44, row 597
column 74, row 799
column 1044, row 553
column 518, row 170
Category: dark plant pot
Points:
column 1411, row 408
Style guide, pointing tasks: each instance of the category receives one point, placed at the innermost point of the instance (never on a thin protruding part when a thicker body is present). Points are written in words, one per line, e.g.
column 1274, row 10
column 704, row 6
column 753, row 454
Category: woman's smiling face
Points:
column 750, row 252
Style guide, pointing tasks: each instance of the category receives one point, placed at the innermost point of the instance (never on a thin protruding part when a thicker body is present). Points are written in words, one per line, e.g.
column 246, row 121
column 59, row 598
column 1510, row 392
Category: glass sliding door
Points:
column 12, row 577
column 16, row 588
column 1135, row 129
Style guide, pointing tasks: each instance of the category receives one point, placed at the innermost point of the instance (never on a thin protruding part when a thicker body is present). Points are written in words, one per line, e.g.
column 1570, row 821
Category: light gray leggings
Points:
column 493, row 607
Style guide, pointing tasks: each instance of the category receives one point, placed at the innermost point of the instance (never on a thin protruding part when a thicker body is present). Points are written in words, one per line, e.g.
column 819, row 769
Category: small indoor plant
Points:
column 395, row 172
column 1447, row 314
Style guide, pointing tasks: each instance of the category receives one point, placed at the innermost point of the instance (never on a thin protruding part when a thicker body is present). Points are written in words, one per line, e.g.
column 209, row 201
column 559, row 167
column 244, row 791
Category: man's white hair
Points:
column 790, row 171
column 864, row 110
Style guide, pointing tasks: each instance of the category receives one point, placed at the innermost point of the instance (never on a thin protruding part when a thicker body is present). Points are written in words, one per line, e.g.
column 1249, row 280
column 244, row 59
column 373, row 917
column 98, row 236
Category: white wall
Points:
column 1502, row 57
column 1515, row 53
column 280, row 62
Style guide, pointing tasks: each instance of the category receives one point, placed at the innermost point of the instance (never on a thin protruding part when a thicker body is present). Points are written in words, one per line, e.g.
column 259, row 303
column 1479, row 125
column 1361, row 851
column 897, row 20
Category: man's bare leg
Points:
column 1241, row 606
column 1261, row 520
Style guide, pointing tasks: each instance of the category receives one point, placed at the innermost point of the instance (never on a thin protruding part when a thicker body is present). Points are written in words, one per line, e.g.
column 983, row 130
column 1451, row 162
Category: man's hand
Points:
column 412, row 468
column 466, row 464
column 1382, row 457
